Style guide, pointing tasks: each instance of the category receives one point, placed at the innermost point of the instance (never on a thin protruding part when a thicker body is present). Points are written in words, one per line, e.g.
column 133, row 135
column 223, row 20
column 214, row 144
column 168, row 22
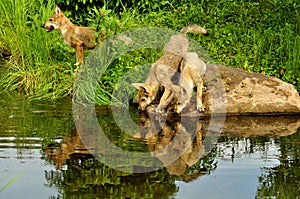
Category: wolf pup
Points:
column 77, row 37
column 164, row 69
column 192, row 72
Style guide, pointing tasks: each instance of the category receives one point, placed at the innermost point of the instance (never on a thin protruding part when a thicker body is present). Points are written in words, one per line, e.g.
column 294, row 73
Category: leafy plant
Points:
column 258, row 36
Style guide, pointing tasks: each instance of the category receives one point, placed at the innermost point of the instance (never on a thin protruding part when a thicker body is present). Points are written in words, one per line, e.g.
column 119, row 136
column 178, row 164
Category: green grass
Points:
column 258, row 36
column 31, row 69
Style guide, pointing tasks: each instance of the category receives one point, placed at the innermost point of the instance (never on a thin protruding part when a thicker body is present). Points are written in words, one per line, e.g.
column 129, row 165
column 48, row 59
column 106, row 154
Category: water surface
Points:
column 42, row 156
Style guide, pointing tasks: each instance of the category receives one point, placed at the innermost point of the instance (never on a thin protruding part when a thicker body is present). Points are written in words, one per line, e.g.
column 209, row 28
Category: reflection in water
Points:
column 36, row 135
column 71, row 144
column 90, row 178
column 282, row 181
column 172, row 143
column 272, row 126
column 173, row 140
column 25, row 128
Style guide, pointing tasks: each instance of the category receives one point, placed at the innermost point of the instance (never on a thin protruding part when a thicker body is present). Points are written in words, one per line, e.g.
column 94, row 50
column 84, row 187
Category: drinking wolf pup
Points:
column 175, row 58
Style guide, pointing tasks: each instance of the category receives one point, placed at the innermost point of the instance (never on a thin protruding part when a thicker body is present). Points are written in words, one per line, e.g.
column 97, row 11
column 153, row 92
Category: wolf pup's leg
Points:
column 164, row 101
column 79, row 52
column 200, row 105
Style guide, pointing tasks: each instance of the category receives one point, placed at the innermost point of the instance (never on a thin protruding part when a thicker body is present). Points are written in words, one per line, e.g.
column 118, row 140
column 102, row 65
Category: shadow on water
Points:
column 254, row 156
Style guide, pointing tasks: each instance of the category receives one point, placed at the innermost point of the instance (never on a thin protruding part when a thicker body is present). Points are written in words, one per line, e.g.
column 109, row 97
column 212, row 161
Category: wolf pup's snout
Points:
column 48, row 28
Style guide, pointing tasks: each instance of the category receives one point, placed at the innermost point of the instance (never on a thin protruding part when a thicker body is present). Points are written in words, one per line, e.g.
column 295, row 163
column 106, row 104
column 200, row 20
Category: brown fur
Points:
column 172, row 143
column 191, row 76
column 164, row 69
column 78, row 37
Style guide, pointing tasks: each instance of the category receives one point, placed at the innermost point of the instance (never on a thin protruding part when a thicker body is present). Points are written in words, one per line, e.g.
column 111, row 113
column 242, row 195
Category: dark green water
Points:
column 42, row 156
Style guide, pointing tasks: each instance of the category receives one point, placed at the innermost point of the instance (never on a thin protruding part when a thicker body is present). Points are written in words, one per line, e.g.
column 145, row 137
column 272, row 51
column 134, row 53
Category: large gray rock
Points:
column 235, row 91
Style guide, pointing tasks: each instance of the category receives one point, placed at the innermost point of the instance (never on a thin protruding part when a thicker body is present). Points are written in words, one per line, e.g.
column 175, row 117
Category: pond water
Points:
column 43, row 155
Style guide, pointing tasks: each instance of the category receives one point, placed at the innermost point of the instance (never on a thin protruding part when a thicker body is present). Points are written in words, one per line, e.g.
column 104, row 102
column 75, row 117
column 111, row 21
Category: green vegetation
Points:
column 281, row 180
column 259, row 36
column 32, row 67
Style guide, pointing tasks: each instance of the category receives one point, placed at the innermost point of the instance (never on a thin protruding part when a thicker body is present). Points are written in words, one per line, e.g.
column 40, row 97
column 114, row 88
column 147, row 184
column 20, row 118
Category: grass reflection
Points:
column 29, row 126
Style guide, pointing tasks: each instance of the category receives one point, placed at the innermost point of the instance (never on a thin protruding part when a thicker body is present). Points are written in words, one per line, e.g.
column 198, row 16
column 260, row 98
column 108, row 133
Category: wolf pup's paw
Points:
column 160, row 109
column 201, row 108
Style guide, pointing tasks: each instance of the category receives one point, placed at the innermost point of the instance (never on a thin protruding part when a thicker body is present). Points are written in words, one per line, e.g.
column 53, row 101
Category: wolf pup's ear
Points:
column 139, row 86
column 57, row 10
column 136, row 85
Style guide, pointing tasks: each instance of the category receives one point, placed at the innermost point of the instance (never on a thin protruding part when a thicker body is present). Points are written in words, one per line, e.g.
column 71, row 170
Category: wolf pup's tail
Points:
column 194, row 29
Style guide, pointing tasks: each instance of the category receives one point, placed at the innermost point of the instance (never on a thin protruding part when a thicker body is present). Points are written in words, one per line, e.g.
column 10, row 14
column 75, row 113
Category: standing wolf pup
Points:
column 77, row 37
column 192, row 71
column 164, row 69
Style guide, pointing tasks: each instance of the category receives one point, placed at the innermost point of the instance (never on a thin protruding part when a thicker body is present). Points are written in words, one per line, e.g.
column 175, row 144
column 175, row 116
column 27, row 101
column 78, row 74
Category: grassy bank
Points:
column 258, row 36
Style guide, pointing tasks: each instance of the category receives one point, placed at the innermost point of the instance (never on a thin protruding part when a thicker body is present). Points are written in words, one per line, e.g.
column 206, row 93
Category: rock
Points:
column 237, row 92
